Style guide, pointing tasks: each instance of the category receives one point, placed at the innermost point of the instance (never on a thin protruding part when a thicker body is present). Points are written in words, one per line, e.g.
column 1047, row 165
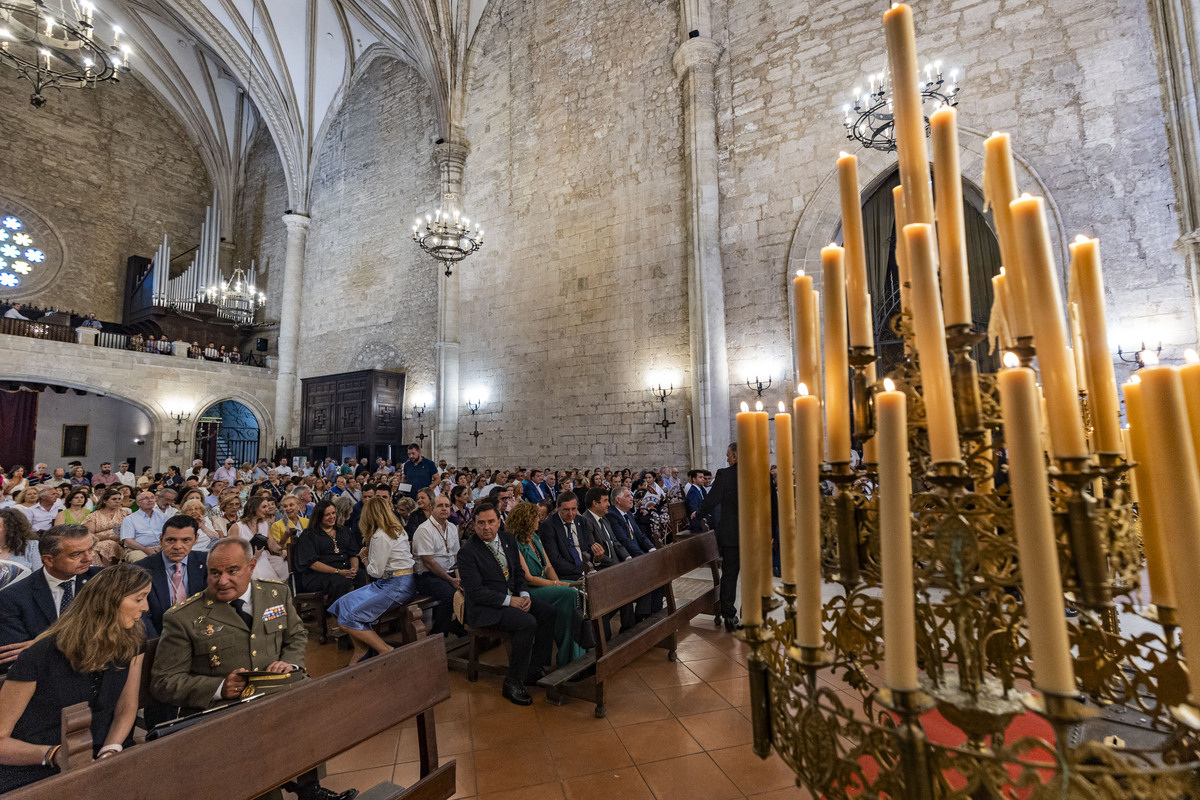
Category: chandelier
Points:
column 54, row 47
column 870, row 119
column 447, row 236
column 237, row 299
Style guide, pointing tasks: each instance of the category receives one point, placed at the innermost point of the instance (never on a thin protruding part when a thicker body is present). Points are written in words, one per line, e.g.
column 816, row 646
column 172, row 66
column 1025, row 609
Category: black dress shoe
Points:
column 732, row 624
column 314, row 792
column 514, row 692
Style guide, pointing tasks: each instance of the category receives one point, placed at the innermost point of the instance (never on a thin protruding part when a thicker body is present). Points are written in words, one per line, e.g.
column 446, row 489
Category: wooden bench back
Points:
column 679, row 516
column 612, row 587
column 247, row 751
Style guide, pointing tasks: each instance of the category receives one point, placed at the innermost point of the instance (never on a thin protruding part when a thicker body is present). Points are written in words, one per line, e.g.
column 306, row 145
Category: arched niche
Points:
column 227, row 429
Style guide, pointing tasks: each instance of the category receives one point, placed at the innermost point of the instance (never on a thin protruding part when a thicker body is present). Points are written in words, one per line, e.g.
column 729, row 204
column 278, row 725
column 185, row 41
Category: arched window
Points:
column 19, row 252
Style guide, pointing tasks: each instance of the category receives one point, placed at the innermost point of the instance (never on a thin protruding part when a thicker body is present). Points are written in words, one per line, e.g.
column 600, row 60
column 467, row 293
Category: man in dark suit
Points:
column 693, row 496
column 532, row 489
column 176, row 573
column 489, row 567
column 724, row 495
column 560, row 537
column 595, row 535
column 629, row 534
column 550, row 486
column 30, row 606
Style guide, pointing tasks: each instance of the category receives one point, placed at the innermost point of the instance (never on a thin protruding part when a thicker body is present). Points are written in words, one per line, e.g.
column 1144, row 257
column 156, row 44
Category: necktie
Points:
column 178, row 593
column 575, row 554
column 239, row 607
column 68, row 590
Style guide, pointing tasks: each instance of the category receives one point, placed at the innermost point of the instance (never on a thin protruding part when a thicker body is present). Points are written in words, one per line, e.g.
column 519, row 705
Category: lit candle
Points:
column 902, row 251
column 858, row 305
column 1049, row 329
column 909, row 116
column 762, row 501
column 951, row 229
column 1162, row 591
column 931, row 344
column 749, row 542
column 818, row 391
column 837, row 364
column 999, row 190
column 895, row 539
column 1172, row 467
column 807, row 360
column 787, row 496
column 1050, row 650
column 1000, row 321
column 807, row 410
column 1102, row 382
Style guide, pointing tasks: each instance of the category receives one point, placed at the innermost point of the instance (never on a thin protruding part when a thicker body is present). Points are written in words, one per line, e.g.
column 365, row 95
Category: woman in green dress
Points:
column 75, row 509
column 544, row 584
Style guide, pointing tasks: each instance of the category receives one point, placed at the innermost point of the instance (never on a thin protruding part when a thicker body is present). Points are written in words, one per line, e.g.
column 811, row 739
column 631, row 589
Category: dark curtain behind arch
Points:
column 18, row 426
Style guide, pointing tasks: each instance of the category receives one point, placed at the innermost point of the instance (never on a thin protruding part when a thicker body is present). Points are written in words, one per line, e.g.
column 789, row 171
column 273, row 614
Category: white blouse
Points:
column 386, row 555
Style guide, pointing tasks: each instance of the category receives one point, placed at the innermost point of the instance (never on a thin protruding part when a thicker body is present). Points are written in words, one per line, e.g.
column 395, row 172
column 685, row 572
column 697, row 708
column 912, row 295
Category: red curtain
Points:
column 18, row 424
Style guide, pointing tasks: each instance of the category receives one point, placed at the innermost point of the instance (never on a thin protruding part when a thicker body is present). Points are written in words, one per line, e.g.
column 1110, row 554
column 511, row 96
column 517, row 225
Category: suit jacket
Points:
column 591, row 532
column 27, row 607
column 534, row 492
column 557, row 545
column 693, row 497
column 203, row 640
column 723, row 494
column 550, row 491
column 159, row 598
column 483, row 579
column 638, row 543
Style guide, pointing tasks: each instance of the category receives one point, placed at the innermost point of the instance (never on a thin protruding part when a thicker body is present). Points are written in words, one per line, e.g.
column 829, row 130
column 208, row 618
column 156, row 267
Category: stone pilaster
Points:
column 286, row 394
column 451, row 159
column 695, row 63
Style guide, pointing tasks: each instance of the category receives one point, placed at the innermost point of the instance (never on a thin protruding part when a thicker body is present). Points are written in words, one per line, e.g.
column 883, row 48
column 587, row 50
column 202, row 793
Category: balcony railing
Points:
column 36, row 330
column 107, row 339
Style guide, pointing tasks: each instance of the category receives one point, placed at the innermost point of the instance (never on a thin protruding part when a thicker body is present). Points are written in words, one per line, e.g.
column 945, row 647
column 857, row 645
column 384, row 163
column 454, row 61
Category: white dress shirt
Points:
column 430, row 540
column 386, row 555
column 56, row 590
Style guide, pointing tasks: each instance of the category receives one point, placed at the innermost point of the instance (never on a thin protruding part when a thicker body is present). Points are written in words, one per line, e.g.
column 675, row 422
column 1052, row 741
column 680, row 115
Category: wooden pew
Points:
column 247, row 751
column 611, row 588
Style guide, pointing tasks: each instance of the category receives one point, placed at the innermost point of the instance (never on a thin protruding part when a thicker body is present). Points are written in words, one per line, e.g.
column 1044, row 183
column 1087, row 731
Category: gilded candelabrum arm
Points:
column 1088, row 557
column 863, row 399
column 757, row 636
column 849, row 562
column 968, row 407
column 911, row 738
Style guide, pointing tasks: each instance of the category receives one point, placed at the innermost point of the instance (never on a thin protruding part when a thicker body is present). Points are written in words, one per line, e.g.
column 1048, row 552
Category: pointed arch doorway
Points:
column 883, row 277
column 227, row 430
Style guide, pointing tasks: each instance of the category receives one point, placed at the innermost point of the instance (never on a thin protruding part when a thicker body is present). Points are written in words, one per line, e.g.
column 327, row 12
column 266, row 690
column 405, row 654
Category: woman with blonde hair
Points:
column 205, row 533
column 105, row 524
column 544, row 585
column 390, row 563
column 92, row 654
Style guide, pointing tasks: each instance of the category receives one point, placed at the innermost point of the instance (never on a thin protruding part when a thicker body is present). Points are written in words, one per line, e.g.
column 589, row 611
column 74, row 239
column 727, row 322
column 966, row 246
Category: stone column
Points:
column 286, row 406
column 451, row 159
column 1174, row 23
column 695, row 63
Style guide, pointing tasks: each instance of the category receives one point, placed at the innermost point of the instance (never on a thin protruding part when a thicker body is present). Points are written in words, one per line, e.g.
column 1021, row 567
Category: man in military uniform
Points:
column 236, row 625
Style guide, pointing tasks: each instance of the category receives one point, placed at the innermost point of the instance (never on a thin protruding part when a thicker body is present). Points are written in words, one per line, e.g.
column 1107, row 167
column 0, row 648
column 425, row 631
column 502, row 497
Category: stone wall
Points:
column 111, row 170
column 155, row 384
column 1068, row 84
column 370, row 296
column 577, row 176
column 259, row 233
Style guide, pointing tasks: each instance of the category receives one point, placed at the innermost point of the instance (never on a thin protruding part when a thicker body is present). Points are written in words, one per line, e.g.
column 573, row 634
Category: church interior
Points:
column 893, row 480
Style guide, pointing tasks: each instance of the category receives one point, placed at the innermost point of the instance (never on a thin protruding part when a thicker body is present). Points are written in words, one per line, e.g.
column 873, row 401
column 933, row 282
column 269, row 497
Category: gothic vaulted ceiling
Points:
column 225, row 64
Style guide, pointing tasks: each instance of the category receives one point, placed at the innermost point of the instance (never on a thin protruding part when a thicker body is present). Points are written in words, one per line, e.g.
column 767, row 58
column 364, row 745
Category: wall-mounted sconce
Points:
column 180, row 416
column 1138, row 359
column 474, row 400
column 662, row 387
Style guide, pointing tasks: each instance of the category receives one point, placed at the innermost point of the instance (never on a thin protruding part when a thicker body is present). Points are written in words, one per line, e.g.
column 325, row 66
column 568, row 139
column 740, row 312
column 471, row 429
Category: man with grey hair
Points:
column 59, row 479
column 42, row 513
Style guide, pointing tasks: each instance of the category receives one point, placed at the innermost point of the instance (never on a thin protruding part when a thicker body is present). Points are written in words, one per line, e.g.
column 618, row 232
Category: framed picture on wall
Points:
column 74, row 443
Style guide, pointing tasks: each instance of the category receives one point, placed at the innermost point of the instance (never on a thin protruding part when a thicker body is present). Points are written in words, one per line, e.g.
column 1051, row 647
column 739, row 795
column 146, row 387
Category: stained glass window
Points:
column 19, row 252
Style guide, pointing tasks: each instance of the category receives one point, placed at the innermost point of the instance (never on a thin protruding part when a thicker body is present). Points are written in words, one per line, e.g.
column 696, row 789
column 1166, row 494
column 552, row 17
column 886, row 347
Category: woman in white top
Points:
column 15, row 483
column 228, row 511
column 205, row 533
column 256, row 519
column 390, row 561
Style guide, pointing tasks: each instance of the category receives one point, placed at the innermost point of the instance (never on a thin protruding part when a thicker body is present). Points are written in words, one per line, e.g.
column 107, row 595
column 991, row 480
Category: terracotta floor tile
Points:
column 573, row 716
column 622, row 784
column 717, row 669
column 791, row 793
column 502, row 768
column 487, row 701
column 751, row 774
column 658, row 740
column 453, row 737
column 667, row 673
column 496, row 730
column 409, row 772
column 456, row 709
column 588, row 753
column 694, row 699
column 688, row 778
column 542, row 791
column 719, row 729
column 735, row 691
column 378, row 751
column 362, row 779
column 627, row 680
column 634, row 708
column 697, row 648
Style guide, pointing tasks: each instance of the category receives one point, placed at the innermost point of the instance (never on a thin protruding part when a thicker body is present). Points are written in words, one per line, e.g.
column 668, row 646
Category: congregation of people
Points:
column 208, row 562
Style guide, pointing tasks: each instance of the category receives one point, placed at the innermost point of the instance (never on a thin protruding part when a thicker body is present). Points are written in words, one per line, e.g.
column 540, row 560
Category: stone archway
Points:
column 821, row 218
column 228, row 428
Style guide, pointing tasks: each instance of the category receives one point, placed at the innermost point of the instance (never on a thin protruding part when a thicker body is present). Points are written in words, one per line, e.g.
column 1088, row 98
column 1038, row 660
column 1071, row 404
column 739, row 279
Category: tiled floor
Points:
column 673, row 730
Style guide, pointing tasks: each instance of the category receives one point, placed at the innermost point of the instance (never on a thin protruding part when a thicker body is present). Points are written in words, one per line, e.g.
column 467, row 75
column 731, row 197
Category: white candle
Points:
column 895, row 539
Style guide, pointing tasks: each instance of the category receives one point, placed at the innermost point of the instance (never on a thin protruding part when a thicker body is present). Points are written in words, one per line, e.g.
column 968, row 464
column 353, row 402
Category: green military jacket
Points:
column 203, row 640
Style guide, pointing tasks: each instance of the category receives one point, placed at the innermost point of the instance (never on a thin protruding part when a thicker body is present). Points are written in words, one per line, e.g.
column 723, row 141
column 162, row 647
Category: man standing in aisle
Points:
column 724, row 495
column 419, row 471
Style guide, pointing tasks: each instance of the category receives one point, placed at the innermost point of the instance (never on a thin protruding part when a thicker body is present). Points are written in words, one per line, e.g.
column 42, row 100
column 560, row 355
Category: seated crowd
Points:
column 93, row 566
